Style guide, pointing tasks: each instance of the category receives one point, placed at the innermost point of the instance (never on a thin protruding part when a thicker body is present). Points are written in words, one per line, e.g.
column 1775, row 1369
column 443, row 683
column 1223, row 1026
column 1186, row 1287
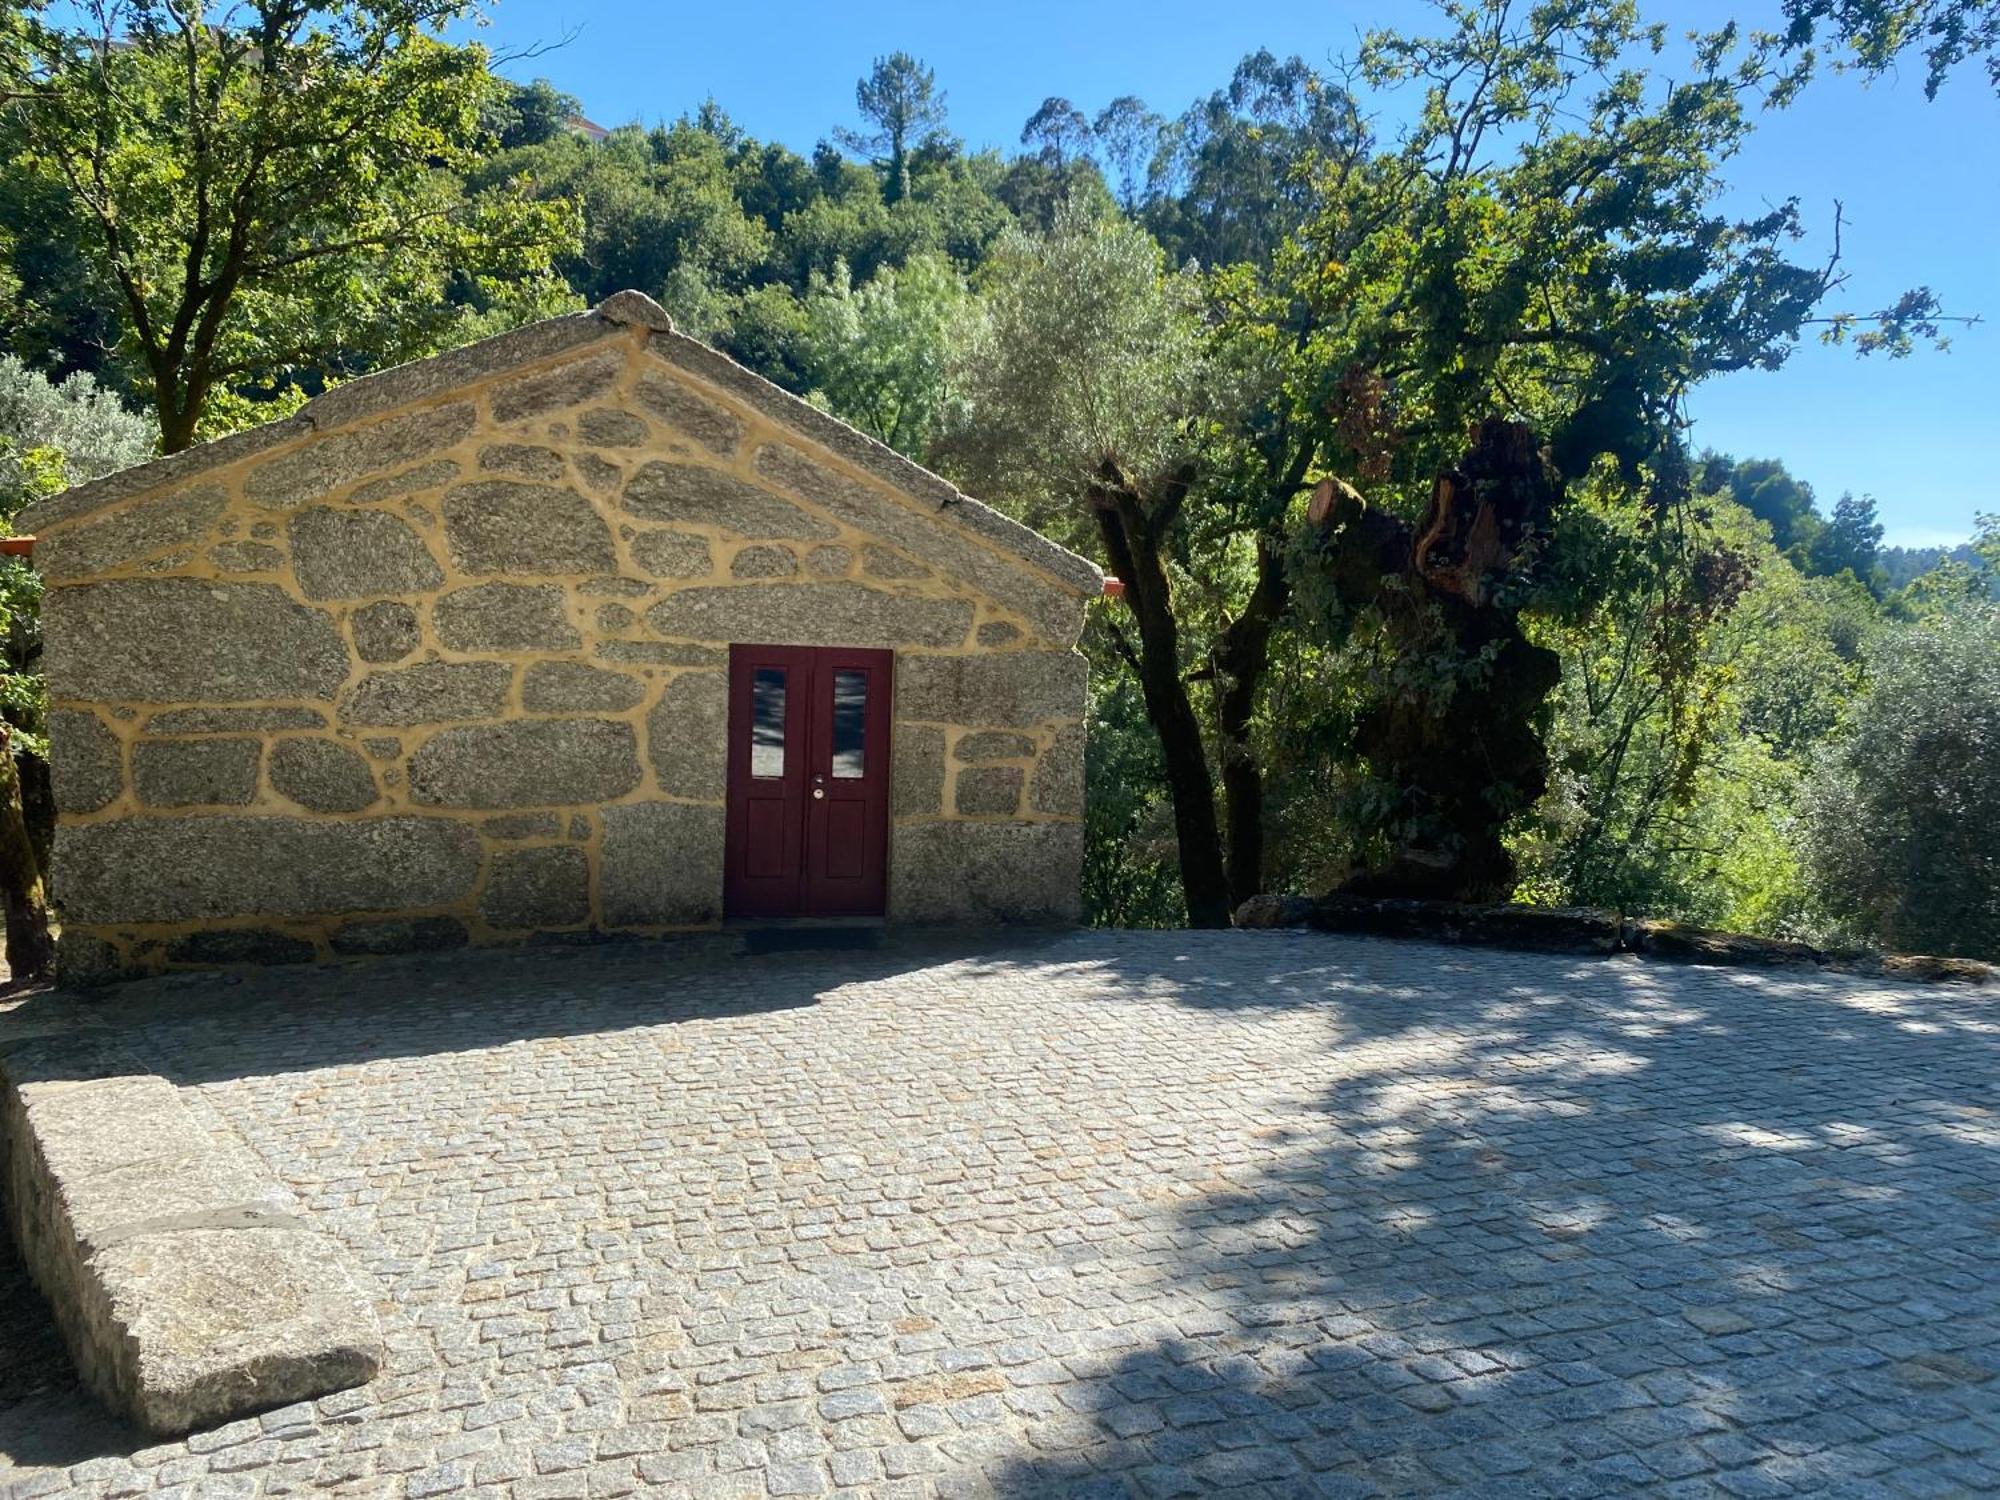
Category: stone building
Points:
column 582, row 629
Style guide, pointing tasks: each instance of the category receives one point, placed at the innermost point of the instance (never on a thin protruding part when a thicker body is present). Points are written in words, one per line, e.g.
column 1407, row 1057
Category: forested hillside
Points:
column 1431, row 588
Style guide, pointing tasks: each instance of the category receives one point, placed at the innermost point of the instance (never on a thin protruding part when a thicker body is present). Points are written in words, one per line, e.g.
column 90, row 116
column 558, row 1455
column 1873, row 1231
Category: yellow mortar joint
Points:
column 128, row 722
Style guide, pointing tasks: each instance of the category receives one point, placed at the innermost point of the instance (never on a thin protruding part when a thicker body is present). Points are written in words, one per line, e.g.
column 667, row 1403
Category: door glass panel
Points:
column 767, row 722
column 850, row 709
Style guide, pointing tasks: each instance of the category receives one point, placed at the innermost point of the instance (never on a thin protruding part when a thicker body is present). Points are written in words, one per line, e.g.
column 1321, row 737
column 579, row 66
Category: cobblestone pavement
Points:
column 1144, row 1213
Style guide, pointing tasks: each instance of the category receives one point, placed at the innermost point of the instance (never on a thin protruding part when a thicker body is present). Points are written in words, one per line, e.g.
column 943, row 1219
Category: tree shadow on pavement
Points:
column 1239, row 1212
column 1556, row 1227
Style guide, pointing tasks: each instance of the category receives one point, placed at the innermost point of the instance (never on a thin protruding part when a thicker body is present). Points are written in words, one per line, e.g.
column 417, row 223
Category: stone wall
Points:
column 446, row 662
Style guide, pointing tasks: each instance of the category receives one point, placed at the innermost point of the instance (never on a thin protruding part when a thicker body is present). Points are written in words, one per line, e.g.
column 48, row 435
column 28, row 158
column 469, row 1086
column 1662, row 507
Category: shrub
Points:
column 53, row 435
column 1902, row 817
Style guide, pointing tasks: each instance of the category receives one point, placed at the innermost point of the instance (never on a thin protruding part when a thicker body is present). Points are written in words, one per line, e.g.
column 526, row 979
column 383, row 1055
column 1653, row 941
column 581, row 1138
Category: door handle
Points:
column 819, row 793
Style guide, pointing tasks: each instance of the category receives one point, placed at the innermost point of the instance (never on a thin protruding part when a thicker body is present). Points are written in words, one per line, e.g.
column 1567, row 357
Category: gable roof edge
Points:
column 358, row 399
column 425, row 379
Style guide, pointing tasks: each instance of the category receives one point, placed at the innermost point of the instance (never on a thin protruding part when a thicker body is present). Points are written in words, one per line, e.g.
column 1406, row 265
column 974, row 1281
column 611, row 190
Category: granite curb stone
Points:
column 187, row 1290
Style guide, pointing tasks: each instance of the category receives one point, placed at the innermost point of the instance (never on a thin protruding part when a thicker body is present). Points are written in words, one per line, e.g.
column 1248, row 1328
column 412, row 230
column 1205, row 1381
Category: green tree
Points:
column 1986, row 543
column 1850, row 540
column 953, row 207
column 1128, row 136
column 1538, row 259
column 1130, row 859
column 1768, row 490
column 1060, row 169
column 1694, row 693
column 269, row 196
column 1228, row 171
column 1872, row 34
column 844, row 221
column 904, row 107
column 1545, row 246
column 1058, row 131
column 528, row 114
column 1036, row 191
column 882, row 355
column 1903, row 818
column 77, row 427
column 659, row 210
column 1092, row 408
column 54, row 310
column 1935, row 579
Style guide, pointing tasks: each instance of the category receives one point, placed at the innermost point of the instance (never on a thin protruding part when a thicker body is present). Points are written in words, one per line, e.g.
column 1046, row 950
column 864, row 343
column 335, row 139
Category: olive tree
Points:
column 1902, row 822
column 1094, row 410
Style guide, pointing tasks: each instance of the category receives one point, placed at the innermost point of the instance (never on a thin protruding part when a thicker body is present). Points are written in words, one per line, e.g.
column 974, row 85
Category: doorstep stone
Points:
column 186, row 1287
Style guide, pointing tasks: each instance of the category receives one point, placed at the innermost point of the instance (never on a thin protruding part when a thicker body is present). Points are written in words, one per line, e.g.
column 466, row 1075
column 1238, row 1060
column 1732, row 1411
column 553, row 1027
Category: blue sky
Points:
column 1920, row 182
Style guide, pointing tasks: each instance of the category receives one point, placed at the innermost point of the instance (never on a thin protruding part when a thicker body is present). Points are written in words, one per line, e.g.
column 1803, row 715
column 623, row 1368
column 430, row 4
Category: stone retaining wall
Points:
column 1590, row 929
column 447, row 662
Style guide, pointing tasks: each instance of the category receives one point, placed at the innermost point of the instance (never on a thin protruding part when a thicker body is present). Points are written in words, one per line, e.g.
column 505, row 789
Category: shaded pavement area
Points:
column 1103, row 1213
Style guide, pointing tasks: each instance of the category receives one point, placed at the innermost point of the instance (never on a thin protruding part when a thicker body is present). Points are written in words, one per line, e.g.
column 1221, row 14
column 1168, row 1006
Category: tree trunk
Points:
column 899, row 172
column 1131, row 542
column 1239, row 661
column 176, row 433
column 180, row 414
column 29, row 947
column 1461, row 762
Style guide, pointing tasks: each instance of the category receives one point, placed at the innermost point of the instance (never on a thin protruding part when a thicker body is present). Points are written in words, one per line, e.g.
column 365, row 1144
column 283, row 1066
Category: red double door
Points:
column 808, row 782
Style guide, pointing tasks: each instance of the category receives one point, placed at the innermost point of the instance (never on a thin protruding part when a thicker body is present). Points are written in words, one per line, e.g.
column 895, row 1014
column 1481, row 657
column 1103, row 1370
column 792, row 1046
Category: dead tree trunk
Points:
column 1460, row 763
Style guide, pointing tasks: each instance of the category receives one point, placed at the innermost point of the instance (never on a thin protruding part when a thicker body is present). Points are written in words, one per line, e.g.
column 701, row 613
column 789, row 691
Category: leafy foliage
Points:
column 1128, row 137
column 1872, row 34
column 1544, row 242
column 56, row 435
column 1693, row 694
column 882, row 355
column 51, row 436
column 1850, row 541
column 1131, row 875
column 1227, row 187
column 1768, row 490
column 905, row 111
column 1092, row 351
column 1150, row 335
column 271, row 191
column 527, row 114
column 1902, row 817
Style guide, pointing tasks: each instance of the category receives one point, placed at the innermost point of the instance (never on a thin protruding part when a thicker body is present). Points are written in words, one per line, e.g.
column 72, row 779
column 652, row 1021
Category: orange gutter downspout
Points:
column 17, row 546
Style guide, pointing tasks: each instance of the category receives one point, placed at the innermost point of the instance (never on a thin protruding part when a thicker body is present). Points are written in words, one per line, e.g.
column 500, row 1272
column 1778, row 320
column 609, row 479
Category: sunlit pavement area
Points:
column 1099, row 1213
